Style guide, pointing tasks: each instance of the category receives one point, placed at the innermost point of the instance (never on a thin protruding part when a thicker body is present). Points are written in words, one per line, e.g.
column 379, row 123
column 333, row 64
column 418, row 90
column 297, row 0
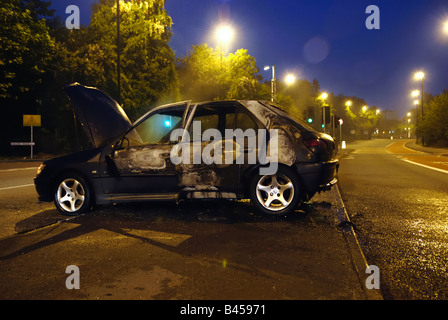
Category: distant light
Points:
column 341, row 121
column 310, row 120
column 364, row 109
column 419, row 75
column 324, row 95
column 267, row 68
column 445, row 27
column 167, row 123
column 224, row 34
column 290, row 79
column 415, row 93
column 348, row 103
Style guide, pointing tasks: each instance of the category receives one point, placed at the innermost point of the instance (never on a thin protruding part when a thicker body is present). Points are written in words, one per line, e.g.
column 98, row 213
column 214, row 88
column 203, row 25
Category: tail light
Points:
column 313, row 144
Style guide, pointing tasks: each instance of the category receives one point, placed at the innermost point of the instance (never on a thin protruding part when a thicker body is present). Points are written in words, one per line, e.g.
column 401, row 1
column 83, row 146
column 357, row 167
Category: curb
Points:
column 358, row 260
column 430, row 150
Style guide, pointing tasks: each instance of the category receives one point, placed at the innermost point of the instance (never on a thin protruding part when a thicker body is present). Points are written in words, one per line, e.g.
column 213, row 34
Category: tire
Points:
column 279, row 194
column 72, row 195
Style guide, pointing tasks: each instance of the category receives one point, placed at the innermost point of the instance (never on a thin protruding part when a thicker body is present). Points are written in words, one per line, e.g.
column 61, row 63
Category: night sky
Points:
column 324, row 39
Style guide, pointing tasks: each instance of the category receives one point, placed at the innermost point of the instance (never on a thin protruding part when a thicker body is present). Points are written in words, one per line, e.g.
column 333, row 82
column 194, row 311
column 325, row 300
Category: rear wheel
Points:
column 277, row 194
column 72, row 195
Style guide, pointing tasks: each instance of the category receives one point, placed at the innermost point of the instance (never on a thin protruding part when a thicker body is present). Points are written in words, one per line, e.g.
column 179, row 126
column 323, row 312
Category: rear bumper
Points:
column 319, row 176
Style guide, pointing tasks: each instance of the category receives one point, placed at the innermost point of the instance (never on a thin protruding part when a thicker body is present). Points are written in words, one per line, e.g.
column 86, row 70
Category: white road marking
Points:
column 15, row 187
column 18, row 169
column 425, row 166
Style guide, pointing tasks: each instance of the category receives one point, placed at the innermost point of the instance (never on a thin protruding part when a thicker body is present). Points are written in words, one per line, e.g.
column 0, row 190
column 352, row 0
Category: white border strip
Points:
column 18, row 169
column 15, row 187
column 425, row 166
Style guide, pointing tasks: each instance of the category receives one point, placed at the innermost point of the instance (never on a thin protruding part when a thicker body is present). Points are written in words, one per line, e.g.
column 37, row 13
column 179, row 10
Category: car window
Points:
column 157, row 128
column 244, row 122
column 212, row 117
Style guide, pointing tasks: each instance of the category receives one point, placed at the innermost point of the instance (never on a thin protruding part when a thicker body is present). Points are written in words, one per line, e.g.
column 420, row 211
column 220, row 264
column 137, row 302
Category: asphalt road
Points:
column 397, row 200
column 157, row 251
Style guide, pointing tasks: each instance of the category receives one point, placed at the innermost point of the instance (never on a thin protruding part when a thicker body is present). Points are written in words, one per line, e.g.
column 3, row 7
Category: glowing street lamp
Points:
column 324, row 96
column 364, row 109
column 224, row 34
column 415, row 93
column 349, row 103
column 290, row 79
column 445, row 27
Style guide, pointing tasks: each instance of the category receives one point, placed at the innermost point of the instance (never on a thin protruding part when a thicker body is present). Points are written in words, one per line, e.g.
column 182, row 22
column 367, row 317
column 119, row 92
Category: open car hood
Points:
column 101, row 116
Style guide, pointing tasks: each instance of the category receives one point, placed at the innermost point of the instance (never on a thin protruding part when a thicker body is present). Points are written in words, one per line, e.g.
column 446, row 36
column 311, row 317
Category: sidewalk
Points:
column 347, row 242
column 433, row 150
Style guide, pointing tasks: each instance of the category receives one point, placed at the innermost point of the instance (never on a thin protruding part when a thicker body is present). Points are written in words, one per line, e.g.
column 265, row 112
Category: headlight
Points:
column 41, row 167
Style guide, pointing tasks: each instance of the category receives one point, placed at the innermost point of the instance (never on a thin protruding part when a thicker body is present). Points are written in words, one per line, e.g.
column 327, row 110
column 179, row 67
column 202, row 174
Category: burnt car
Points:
column 236, row 149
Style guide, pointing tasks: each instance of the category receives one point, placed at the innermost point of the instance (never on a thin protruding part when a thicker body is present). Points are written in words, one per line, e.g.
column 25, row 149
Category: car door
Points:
column 141, row 163
column 206, row 170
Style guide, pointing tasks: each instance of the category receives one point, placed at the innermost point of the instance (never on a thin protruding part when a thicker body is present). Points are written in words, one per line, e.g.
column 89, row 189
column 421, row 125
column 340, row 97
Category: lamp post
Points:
column 419, row 76
column 324, row 96
column 272, row 81
column 118, row 52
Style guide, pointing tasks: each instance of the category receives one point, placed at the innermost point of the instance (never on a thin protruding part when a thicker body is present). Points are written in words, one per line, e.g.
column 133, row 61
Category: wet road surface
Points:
column 399, row 208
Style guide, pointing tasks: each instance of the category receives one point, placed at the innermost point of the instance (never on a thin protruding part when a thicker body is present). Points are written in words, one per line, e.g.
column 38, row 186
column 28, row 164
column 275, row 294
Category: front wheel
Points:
column 72, row 195
column 277, row 194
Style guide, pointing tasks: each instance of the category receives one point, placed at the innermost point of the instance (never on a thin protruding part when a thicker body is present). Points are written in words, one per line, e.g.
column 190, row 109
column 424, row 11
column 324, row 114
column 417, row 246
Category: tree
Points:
column 206, row 75
column 148, row 73
column 26, row 49
column 434, row 126
column 25, row 53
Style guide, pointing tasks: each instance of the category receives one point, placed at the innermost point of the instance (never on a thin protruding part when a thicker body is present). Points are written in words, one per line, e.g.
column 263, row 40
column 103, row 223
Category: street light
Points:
column 324, row 96
column 415, row 93
column 224, row 34
column 348, row 103
column 445, row 27
column 272, row 81
column 290, row 79
column 419, row 76
column 364, row 109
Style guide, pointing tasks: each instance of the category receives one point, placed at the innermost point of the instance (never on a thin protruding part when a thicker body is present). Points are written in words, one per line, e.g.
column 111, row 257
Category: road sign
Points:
column 23, row 143
column 31, row 120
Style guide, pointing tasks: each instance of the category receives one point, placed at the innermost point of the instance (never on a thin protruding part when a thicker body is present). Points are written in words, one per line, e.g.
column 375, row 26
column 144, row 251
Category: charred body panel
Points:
column 132, row 162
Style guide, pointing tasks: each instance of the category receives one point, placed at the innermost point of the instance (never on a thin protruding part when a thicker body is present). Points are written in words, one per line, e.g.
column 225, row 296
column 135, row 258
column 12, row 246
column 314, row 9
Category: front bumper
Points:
column 43, row 189
column 319, row 176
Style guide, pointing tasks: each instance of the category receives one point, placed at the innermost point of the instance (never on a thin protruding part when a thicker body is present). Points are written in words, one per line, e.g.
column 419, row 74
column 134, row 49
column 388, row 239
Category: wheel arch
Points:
column 246, row 177
column 74, row 172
